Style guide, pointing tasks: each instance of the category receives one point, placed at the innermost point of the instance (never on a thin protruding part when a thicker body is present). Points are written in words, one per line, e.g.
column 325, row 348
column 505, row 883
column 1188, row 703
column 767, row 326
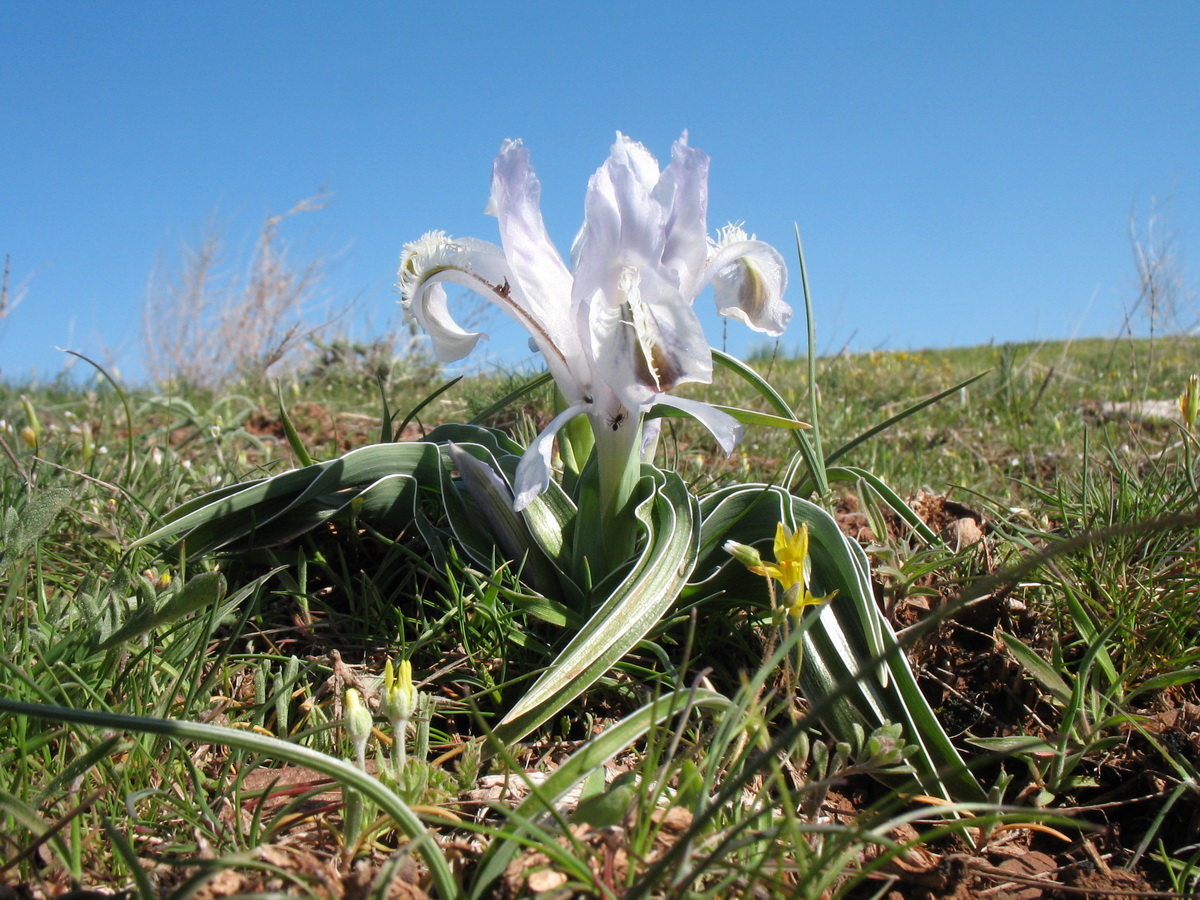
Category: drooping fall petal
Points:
column 533, row 472
column 749, row 278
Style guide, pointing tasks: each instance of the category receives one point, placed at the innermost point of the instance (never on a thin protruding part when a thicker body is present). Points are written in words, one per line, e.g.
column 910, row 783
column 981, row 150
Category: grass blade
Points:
column 289, row 429
column 512, row 397
column 815, row 464
column 343, row 772
column 898, row 417
column 416, row 410
column 577, row 767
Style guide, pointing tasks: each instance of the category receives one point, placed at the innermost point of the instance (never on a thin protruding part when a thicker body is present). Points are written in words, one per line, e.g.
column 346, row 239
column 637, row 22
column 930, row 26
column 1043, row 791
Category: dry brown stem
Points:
column 206, row 324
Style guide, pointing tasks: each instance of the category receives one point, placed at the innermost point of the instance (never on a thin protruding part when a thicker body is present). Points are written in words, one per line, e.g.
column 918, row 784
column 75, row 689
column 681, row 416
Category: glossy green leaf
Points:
column 479, row 507
column 384, row 478
column 853, row 671
column 669, row 517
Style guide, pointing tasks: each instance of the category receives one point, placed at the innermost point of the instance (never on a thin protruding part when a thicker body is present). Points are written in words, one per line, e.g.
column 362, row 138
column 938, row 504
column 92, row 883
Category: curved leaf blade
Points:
column 854, row 672
column 670, row 519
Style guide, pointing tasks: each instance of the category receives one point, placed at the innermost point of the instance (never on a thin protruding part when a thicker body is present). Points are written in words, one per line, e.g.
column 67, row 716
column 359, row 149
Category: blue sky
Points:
column 959, row 172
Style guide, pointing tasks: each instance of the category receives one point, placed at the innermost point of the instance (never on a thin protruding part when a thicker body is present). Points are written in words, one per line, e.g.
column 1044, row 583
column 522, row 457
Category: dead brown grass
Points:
column 208, row 322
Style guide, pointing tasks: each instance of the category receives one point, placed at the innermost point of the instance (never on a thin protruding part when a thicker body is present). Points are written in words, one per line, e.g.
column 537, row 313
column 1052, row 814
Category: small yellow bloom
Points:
column 791, row 554
column 1189, row 401
column 790, row 569
column 399, row 695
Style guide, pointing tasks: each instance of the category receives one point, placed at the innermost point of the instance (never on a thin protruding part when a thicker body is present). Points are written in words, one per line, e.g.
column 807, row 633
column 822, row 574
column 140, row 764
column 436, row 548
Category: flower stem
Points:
column 618, row 454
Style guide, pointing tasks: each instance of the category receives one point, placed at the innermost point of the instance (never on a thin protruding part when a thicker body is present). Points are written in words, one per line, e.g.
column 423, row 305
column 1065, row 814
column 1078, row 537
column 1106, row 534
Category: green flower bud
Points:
column 358, row 724
column 745, row 554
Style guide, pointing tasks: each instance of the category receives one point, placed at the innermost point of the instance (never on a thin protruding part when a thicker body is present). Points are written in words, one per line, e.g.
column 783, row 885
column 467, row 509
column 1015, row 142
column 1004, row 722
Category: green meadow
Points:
column 182, row 705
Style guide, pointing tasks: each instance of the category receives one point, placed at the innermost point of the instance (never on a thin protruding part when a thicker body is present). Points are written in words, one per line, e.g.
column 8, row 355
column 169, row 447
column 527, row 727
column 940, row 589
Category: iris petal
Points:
column 533, row 471
column 541, row 276
column 724, row 427
column 683, row 190
column 450, row 341
column 749, row 278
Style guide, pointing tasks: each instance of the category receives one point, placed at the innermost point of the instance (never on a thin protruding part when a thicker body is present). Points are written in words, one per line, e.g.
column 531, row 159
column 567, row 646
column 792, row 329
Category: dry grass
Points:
column 10, row 299
column 208, row 322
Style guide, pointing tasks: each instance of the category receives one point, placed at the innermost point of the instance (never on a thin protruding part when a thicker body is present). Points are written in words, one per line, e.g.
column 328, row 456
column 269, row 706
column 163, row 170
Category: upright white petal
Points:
column 639, row 328
column 540, row 276
column 541, row 282
column 623, row 224
column 683, row 192
column 632, row 155
column 643, row 219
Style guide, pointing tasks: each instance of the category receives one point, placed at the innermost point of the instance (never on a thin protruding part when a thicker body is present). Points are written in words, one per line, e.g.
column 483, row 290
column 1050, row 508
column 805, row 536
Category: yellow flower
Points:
column 790, row 569
column 1189, row 401
column 791, row 554
column 399, row 695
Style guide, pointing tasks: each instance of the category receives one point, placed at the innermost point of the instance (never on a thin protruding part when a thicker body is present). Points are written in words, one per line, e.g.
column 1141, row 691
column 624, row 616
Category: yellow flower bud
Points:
column 358, row 724
column 399, row 695
column 1189, row 401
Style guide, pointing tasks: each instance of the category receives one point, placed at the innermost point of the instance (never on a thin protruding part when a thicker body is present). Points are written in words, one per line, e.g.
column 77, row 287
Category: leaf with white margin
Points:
column 669, row 515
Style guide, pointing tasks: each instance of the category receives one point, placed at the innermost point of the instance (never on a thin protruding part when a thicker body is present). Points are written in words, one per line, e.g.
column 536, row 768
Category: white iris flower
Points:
column 617, row 329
